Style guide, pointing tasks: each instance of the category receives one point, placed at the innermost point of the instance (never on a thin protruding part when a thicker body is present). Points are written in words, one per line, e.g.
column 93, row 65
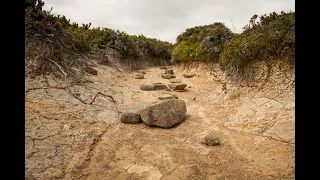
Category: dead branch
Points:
column 35, row 88
column 75, row 96
column 84, row 102
column 94, row 98
column 64, row 73
column 49, row 87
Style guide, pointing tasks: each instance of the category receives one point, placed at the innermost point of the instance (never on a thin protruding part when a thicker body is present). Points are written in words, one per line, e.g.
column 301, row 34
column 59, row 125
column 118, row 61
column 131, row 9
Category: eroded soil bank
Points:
column 69, row 139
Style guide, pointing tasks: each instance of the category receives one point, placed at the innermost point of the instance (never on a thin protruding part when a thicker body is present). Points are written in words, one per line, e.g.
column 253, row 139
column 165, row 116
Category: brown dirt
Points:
column 66, row 139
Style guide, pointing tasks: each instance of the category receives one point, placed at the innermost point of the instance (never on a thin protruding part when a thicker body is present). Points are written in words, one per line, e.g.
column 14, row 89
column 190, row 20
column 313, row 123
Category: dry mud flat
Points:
column 67, row 139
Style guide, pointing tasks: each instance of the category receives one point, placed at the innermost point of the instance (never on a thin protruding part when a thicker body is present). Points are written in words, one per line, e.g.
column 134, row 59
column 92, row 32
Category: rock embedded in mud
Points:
column 90, row 70
column 175, row 80
column 147, row 87
column 132, row 114
column 211, row 140
column 138, row 76
column 167, row 96
column 160, row 86
column 165, row 114
column 169, row 71
column 177, row 86
column 153, row 87
column 163, row 67
column 141, row 71
column 188, row 75
column 168, row 76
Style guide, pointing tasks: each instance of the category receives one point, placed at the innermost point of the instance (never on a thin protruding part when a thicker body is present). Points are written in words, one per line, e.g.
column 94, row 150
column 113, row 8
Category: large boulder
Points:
column 188, row 75
column 175, row 80
column 153, row 87
column 132, row 114
column 177, row 86
column 168, row 76
column 165, row 114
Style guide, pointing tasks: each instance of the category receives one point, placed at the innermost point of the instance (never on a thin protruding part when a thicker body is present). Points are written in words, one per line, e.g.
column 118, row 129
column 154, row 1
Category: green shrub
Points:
column 272, row 38
column 202, row 43
column 59, row 39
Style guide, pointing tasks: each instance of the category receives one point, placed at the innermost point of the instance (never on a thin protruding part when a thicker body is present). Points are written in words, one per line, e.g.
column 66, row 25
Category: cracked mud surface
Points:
column 66, row 139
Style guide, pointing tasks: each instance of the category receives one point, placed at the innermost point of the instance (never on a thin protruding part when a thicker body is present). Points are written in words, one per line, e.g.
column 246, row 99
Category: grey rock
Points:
column 167, row 96
column 163, row 67
column 132, row 114
column 165, row 114
column 168, row 76
column 177, row 86
column 211, row 140
column 169, row 71
column 188, row 75
column 153, row 87
column 90, row 70
column 175, row 80
column 160, row 86
column 138, row 76
column 147, row 87
column 141, row 72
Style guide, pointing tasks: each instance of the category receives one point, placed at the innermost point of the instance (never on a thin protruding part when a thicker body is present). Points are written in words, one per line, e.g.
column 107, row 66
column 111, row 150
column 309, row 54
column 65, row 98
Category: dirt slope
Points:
column 67, row 139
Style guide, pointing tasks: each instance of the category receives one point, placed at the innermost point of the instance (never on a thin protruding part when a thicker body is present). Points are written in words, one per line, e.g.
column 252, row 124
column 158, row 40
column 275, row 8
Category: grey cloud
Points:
column 165, row 19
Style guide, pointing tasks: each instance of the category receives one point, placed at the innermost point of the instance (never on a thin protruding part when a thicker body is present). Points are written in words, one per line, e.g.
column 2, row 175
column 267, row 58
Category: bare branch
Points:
column 64, row 73
column 112, row 99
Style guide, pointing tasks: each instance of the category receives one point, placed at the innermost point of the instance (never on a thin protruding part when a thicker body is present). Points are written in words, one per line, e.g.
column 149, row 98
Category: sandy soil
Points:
column 67, row 139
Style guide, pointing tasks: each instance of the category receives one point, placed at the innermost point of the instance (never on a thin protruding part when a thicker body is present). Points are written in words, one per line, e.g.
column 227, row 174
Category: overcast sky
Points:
column 164, row 19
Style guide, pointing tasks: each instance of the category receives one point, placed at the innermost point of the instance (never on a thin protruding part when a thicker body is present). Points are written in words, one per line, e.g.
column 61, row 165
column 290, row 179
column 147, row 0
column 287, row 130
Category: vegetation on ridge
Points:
column 271, row 38
column 54, row 44
column 52, row 41
column 202, row 43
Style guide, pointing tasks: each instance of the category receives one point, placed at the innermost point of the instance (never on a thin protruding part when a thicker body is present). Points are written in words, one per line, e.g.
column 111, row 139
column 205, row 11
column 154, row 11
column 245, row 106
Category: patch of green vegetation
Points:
column 42, row 25
column 127, row 45
column 202, row 43
column 272, row 38
column 187, row 50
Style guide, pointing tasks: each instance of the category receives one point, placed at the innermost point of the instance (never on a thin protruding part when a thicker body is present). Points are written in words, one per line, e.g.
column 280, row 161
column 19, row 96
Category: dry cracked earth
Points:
column 68, row 139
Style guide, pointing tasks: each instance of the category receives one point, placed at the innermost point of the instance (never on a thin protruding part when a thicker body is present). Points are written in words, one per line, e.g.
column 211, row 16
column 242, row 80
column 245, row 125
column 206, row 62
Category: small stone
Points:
column 141, row 71
column 90, row 70
column 163, row 67
column 153, row 87
column 175, row 80
column 165, row 96
column 168, row 71
column 211, row 140
column 132, row 114
column 177, row 86
column 168, row 76
column 138, row 76
column 66, row 127
column 188, row 75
